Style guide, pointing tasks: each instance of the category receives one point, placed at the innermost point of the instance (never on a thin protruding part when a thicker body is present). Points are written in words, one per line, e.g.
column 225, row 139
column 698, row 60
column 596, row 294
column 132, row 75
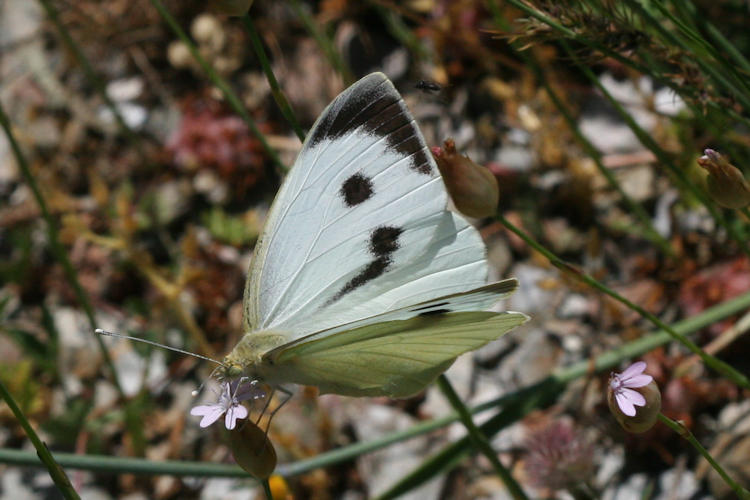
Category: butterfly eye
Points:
column 233, row 370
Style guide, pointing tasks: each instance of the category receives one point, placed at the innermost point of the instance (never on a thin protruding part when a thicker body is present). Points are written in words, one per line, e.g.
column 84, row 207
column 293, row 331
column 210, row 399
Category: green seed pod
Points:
column 253, row 450
column 645, row 416
column 724, row 181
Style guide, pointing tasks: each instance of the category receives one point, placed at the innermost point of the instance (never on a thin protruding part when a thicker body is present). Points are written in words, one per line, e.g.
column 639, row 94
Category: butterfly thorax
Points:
column 247, row 357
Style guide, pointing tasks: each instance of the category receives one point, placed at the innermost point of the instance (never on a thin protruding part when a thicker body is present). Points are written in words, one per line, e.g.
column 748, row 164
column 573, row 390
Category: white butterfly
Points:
column 363, row 283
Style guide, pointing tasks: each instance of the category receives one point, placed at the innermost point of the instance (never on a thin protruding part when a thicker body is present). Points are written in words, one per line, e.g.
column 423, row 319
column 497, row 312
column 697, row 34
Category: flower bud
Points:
column 473, row 188
column 645, row 416
column 724, row 182
column 634, row 398
column 253, row 450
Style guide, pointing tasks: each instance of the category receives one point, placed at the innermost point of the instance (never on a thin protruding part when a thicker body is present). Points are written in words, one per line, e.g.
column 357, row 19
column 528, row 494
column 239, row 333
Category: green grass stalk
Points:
column 714, row 363
column 479, row 440
column 685, row 433
column 133, row 421
column 661, row 155
column 278, row 94
column 55, row 471
column 232, row 99
column 334, row 58
column 92, row 76
column 607, row 361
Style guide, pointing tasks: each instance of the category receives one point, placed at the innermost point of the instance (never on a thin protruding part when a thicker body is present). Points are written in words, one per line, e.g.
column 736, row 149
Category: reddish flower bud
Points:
column 473, row 188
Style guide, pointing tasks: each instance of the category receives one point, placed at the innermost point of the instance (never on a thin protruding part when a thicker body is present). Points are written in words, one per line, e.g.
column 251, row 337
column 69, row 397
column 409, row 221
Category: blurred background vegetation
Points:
column 143, row 144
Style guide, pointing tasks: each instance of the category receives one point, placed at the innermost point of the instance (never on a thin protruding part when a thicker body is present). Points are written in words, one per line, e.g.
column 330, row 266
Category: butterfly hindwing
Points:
column 395, row 358
column 360, row 225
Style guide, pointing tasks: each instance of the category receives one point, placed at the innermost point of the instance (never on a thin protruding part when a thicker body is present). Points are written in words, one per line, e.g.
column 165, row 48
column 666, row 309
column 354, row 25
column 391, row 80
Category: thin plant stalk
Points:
column 132, row 419
column 333, row 56
column 661, row 155
column 267, row 489
column 544, row 393
column 480, row 440
column 587, row 146
column 596, row 156
column 630, row 62
column 231, row 97
column 55, row 471
column 685, row 433
column 607, row 361
column 278, row 94
column 708, row 67
column 711, row 361
column 92, row 76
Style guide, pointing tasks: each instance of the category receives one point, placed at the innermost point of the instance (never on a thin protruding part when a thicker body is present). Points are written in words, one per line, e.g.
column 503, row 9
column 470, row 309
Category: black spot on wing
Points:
column 421, row 163
column 374, row 269
column 356, row 189
column 367, row 101
column 383, row 242
column 372, row 105
column 434, row 312
column 429, row 306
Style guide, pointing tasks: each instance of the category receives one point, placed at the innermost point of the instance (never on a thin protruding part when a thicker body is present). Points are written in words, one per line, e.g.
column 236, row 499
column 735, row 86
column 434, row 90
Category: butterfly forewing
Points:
column 359, row 226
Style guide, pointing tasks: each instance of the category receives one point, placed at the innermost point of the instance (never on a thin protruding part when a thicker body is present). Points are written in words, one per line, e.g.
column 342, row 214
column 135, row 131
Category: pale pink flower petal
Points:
column 624, row 404
column 622, row 384
column 210, row 413
column 638, row 381
column 230, row 398
column 233, row 414
column 632, row 370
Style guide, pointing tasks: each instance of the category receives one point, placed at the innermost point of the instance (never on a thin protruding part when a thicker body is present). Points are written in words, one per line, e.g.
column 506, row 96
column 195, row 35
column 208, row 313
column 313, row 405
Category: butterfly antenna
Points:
column 136, row 339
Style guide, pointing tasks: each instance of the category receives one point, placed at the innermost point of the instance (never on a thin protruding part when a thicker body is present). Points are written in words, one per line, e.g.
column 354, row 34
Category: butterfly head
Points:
column 229, row 370
column 247, row 358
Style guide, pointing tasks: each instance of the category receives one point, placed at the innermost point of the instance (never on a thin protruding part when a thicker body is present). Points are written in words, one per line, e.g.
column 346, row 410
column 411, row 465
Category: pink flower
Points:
column 230, row 397
column 622, row 385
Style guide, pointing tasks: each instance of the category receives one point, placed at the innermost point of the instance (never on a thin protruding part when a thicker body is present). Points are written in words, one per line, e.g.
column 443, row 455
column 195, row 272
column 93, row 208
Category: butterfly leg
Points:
column 288, row 395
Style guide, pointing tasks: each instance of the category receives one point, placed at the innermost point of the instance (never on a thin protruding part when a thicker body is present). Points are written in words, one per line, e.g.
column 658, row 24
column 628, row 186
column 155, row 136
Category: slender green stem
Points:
column 708, row 67
column 221, row 84
column 55, row 471
column 334, row 58
column 478, row 439
column 133, row 420
column 607, row 361
column 713, row 362
column 660, row 154
column 685, row 433
column 276, row 91
column 726, row 45
column 594, row 44
column 596, row 156
column 403, row 33
column 267, row 489
column 590, row 149
column 91, row 75
column 630, row 62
